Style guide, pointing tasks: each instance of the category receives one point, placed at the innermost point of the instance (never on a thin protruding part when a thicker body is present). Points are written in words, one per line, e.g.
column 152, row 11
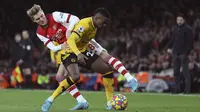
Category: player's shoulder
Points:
column 56, row 14
column 85, row 22
column 82, row 25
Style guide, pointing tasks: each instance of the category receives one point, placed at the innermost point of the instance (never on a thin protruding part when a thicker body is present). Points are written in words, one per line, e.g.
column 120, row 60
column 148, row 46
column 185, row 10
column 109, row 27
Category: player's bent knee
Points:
column 60, row 78
column 76, row 77
column 109, row 75
column 105, row 56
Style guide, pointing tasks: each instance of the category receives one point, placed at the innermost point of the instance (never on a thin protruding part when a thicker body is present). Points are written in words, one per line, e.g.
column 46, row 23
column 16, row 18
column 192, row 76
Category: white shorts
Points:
column 95, row 48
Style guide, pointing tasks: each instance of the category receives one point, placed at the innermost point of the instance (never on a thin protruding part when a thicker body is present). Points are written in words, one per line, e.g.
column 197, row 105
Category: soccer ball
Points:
column 119, row 102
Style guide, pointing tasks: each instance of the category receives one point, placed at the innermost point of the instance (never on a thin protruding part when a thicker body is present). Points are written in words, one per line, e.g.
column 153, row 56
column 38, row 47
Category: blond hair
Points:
column 33, row 11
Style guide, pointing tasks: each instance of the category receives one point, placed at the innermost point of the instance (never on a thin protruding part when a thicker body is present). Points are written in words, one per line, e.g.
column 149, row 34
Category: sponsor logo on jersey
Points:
column 80, row 29
column 61, row 15
column 54, row 27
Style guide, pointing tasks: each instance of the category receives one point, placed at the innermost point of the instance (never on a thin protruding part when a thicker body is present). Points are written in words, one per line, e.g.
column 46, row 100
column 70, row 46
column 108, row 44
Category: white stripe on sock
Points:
column 121, row 69
column 117, row 63
column 79, row 98
column 74, row 91
column 110, row 60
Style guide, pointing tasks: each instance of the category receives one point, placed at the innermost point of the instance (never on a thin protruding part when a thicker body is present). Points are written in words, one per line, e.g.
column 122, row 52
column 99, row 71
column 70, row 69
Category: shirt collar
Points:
column 92, row 22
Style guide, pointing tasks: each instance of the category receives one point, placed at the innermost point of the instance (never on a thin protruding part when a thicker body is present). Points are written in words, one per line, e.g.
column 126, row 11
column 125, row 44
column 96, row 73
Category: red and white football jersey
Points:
column 59, row 25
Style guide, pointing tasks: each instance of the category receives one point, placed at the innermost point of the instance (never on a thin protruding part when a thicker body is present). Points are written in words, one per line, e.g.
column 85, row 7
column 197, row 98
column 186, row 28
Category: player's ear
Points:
column 32, row 18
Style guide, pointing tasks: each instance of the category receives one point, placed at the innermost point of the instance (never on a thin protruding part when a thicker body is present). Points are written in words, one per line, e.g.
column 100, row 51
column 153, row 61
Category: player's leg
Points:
column 95, row 63
column 108, row 82
column 72, row 68
column 118, row 66
column 68, row 81
column 70, row 63
column 101, row 67
column 60, row 75
column 73, row 90
column 113, row 62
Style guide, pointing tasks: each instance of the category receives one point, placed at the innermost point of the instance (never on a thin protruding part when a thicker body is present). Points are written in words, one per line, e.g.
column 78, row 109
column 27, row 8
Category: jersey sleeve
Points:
column 79, row 30
column 66, row 19
column 47, row 42
column 61, row 17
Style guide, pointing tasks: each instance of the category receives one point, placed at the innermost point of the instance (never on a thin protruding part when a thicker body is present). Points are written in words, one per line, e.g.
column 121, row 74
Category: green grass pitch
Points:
column 31, row 101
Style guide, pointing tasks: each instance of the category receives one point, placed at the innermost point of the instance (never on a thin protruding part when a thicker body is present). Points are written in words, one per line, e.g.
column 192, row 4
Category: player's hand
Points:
column 64, row 46
column 81, row 58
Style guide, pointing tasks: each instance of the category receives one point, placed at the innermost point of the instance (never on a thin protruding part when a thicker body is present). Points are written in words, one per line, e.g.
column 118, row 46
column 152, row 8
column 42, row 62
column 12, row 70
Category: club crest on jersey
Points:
column 73, row 60
column 54, row 27
column 80, row 29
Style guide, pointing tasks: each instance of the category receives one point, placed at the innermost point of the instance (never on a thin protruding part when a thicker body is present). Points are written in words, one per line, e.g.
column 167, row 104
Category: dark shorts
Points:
column 71, row 58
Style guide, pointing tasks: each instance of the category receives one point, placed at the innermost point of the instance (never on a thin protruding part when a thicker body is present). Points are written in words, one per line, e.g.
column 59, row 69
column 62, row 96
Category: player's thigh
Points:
column 104, row 55
column 61, row 70
column 69, row 62
column 100, row 66
column 66, row 73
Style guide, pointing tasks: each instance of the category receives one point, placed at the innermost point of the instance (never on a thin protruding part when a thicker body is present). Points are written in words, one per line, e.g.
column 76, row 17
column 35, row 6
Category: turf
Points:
column 31, row 101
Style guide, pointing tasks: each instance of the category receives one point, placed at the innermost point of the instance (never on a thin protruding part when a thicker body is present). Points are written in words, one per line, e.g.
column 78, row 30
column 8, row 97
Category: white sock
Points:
column 108, row 103
column 117, row 65
column 128, row 77
column 80, row 98
column 50, row 99
column 76, row 94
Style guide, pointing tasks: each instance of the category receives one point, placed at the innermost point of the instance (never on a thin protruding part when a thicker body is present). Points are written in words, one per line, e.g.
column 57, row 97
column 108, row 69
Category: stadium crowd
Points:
column 138, row 34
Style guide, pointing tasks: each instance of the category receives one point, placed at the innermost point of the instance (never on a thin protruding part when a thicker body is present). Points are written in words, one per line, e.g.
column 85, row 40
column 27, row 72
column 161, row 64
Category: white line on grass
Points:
column 100, row 92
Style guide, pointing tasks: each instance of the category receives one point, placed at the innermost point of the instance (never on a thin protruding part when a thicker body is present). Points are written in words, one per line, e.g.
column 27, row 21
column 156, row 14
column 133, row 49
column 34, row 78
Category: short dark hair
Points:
column 103, row 11
column 181, row 15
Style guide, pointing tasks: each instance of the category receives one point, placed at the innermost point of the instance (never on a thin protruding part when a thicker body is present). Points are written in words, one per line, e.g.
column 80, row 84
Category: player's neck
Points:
column 93, row 23
column 44, row 26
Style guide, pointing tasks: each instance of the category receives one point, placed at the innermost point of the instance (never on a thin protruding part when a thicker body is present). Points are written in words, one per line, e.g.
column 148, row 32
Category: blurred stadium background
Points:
column 138, row 35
